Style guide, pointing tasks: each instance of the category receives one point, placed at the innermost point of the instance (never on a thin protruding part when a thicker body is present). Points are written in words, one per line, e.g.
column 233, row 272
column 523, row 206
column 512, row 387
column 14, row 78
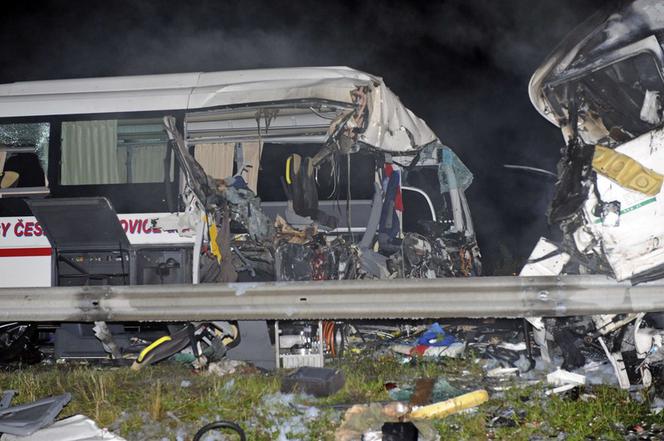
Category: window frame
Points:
column 129, row 179
column 27, row 191
column 124, row 201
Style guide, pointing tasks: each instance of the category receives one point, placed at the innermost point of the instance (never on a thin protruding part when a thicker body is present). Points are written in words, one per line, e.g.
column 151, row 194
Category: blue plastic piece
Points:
column 436, row 336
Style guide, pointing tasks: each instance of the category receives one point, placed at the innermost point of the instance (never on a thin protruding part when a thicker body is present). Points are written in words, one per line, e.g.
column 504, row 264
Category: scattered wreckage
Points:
column 304, row 174
column 603, row 86
column 238, row 196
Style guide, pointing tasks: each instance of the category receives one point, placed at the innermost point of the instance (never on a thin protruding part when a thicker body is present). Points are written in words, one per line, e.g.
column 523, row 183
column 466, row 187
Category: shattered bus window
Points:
column 23, row 155
column 27, row 135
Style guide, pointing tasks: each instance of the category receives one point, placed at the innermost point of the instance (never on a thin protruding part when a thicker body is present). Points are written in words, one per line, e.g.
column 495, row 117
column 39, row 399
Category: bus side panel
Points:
column 25, row 252
column 22, row 271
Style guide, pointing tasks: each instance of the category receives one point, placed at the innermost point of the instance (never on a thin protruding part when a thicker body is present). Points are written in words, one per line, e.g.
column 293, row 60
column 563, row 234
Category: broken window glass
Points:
column 24, row 154
column 452, row 173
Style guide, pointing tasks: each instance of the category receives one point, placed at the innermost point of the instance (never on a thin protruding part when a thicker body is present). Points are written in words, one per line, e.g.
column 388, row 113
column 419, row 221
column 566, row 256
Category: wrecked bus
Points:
column 259, row 175
column 604, row 86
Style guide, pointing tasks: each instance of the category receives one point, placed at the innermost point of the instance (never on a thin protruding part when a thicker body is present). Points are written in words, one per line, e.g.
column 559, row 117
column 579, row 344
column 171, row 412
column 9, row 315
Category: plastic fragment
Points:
column 451, row 406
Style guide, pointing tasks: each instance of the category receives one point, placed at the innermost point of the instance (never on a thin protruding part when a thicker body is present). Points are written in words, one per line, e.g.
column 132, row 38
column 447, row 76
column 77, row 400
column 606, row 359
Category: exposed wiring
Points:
column 329, row 337
column 333, row 175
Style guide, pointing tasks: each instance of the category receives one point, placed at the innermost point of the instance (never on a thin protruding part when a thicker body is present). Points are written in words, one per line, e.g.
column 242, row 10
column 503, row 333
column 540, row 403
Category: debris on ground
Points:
column 370, row 418
column 319, row 382
column 501, row 372
column 293, row 420
column 399, row 432
column 518, row 409
column 560, row 377
column 74, row 428
column 220, row 425
column 434, row 342
column 440, row 390
column 26, row 419
column 451, row 406
column 227, row 367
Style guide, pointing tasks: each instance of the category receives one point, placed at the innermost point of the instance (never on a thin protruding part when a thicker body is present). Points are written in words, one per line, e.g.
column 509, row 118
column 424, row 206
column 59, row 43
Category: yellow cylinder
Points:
column 451, row 406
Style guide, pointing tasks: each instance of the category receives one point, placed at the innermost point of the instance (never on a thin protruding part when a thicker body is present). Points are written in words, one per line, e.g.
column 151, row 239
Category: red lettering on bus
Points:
column 19, row 228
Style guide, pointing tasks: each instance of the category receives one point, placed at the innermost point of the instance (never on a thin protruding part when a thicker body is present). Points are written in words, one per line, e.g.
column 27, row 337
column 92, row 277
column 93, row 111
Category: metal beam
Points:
column 356, row 299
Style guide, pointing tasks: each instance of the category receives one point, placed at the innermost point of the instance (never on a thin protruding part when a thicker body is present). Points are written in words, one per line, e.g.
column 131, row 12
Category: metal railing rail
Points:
column 354, row 299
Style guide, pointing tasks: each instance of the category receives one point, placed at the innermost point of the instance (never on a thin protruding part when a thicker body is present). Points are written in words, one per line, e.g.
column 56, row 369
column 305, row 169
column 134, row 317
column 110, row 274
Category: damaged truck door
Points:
column 603, row 86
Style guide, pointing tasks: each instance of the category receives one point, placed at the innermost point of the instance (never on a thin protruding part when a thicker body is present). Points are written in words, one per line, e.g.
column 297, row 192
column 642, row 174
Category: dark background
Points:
column 462, row 66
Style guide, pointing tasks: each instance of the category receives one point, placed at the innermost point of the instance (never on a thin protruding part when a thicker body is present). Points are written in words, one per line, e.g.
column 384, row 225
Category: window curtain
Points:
column 251, row 152
column 90, row 154
column 216, row 158
column 147, row 163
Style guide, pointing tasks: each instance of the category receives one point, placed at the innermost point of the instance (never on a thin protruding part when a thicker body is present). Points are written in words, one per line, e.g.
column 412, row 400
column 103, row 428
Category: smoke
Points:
column 463, row 66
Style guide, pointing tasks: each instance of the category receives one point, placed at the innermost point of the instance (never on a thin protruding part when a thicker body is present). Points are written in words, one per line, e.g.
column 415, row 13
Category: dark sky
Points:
column 462, row 65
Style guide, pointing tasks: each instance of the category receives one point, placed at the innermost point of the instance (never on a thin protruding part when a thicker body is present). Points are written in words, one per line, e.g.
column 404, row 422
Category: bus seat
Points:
column 9, row 179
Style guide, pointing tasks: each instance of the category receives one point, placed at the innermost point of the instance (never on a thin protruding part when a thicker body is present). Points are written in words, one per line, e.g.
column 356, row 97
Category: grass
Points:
column 155, row 403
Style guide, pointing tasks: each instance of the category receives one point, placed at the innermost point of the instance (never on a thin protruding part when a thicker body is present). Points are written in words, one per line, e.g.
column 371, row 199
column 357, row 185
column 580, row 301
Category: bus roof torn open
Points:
column 391, row 126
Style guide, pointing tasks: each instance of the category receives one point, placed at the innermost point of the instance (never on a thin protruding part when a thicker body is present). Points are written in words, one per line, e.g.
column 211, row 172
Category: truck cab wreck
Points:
column 603, row 86
column 261, row 175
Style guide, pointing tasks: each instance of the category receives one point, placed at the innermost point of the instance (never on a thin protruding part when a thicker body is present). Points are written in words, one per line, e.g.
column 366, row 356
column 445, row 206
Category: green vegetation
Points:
column 170, row 399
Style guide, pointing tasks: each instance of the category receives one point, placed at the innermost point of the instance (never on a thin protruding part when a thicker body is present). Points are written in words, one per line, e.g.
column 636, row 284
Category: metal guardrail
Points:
column 353, row 299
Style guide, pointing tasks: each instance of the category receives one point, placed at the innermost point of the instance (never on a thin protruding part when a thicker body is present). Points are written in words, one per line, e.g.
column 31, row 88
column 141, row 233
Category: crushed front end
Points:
column 604, row 87
column 368, row 190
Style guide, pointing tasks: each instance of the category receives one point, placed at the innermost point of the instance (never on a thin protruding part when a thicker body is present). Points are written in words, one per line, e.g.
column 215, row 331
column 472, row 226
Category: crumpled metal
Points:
column 246, row 209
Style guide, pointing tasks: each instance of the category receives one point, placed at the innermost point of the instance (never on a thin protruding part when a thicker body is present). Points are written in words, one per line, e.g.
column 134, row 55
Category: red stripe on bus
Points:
column 24, row 252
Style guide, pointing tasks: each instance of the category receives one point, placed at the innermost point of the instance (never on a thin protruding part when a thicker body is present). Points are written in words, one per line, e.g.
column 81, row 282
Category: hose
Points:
column 220, row 425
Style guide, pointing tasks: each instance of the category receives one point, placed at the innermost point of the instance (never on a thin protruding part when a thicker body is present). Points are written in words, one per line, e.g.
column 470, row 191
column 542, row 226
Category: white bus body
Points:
column 60, row 122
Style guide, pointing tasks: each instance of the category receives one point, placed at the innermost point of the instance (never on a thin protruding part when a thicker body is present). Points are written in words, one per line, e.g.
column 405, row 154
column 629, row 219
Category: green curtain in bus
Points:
column 89, row 153
column 147, row 163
